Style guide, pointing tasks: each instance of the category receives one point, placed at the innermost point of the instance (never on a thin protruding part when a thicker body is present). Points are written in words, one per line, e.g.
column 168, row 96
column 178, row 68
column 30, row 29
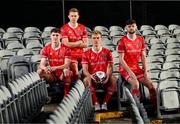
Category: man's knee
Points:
column 74, row 67
column 113, row 84
column 134, row 83
column 87, row 81
column 147, row 82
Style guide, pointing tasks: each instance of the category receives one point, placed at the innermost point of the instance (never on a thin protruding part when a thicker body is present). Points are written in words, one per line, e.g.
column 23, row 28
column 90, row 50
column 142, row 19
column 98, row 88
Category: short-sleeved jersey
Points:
column 56, row 57
column 73, row 35
column 132, row 51
column 97, row 61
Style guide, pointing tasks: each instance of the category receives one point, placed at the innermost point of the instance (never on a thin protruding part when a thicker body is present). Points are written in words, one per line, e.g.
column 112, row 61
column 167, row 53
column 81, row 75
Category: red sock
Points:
column 93, row 94
column 135, row 92
column 153, row 97
column 75, row 77
column 67, row 82
column 107, row 97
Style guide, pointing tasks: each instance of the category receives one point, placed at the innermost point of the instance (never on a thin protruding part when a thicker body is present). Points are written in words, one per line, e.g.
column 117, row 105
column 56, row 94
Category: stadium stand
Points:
column 27, row 91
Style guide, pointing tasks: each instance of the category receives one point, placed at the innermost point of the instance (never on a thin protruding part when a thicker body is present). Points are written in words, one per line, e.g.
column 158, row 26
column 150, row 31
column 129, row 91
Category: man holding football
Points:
column 97, row 64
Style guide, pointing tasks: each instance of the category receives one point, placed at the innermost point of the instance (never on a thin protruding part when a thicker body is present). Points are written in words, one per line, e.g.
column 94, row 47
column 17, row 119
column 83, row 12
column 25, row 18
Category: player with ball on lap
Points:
column 97, row 63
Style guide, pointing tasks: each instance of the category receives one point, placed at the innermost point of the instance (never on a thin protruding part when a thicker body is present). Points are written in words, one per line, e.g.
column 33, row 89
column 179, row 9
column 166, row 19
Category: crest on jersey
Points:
column 104, row 56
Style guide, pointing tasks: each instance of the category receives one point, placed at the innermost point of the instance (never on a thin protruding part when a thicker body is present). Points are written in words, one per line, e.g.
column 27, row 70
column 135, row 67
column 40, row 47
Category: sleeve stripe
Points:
column 64, row 36
column 120, row 51
column 84, row 62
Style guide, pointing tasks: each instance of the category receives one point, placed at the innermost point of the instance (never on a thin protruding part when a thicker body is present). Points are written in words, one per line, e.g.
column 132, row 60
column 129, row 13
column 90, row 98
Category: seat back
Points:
column 18, row 66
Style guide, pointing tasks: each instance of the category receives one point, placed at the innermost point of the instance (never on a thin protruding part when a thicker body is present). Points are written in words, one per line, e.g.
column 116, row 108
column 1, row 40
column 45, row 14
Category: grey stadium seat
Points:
column 18, row 66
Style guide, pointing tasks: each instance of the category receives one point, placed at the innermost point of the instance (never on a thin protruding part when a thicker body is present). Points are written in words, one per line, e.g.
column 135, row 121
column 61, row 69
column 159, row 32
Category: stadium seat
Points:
column 173, row 58
column 159, row 27
column 154, row 75
column 155, row 40
column 35, row 61
column 164, row 38
column 169, row 75
column 35, row 47
column 146, row 27
column 48, row 28
column 15, row 47
column 163, row 32
column 154, row 67
column 10, row 36
column 156, row 52
column 175, row 45
column 157, row 46
column 104, row 30
column 171, row 27
column 176, row 32
column 155, row 59
column 13, row 114
column 168, row 101
column 32, row 41
column 172, row 52
column 115, row 28
column 5, row 114
column 32, row 29
column 18, row 31
column 170, row 66
column 18, row 66
column 4, row 58
column 116, row 33
column 148, row 32
column 172, row 40
column 26, row 53
column 2, row 31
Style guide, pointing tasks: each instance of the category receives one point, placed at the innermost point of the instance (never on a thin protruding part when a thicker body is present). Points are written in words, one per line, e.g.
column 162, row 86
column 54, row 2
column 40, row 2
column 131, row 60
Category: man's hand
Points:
column 47, row 69
column 53, row 68
column 106, row 80
column 93, row 77
column 132, row 75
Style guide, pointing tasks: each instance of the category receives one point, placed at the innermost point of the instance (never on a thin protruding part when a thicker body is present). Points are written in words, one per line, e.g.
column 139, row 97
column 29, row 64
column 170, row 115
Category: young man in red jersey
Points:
column 55, row 62
column 131, row 49
column 74, row 35
column 94, row 60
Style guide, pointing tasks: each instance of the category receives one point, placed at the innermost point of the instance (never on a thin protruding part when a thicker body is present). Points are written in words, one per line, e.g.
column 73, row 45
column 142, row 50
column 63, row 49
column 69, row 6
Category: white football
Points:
column 100, row 75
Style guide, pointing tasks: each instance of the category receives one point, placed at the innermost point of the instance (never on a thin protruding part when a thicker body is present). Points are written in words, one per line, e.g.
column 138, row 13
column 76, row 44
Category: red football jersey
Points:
column 56, row 57
column 97, row 61
column 132, row 51
column 73, row 35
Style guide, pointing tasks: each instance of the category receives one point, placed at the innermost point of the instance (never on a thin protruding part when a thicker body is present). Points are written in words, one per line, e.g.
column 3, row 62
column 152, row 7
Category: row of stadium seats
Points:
column 75, row 108
column 163, row 64
column 22, row 99
column 13, row 67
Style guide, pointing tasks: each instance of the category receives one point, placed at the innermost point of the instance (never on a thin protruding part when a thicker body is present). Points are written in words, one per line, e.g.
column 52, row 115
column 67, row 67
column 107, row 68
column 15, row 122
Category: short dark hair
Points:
column 55, row 30
column 74, row 10
column 130, row 22
column 96, row 32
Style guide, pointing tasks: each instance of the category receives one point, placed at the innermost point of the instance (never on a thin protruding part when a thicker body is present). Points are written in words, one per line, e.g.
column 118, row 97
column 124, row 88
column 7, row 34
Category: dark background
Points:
column 41, row 13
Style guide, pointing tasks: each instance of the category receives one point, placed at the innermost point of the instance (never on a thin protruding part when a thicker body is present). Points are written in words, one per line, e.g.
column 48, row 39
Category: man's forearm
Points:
column 144, row 62
column 125, row 66
column 73, row 44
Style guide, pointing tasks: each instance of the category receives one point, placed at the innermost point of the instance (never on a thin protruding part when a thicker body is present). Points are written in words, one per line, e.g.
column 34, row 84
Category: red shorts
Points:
column 138, row 72
column 76, row 58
